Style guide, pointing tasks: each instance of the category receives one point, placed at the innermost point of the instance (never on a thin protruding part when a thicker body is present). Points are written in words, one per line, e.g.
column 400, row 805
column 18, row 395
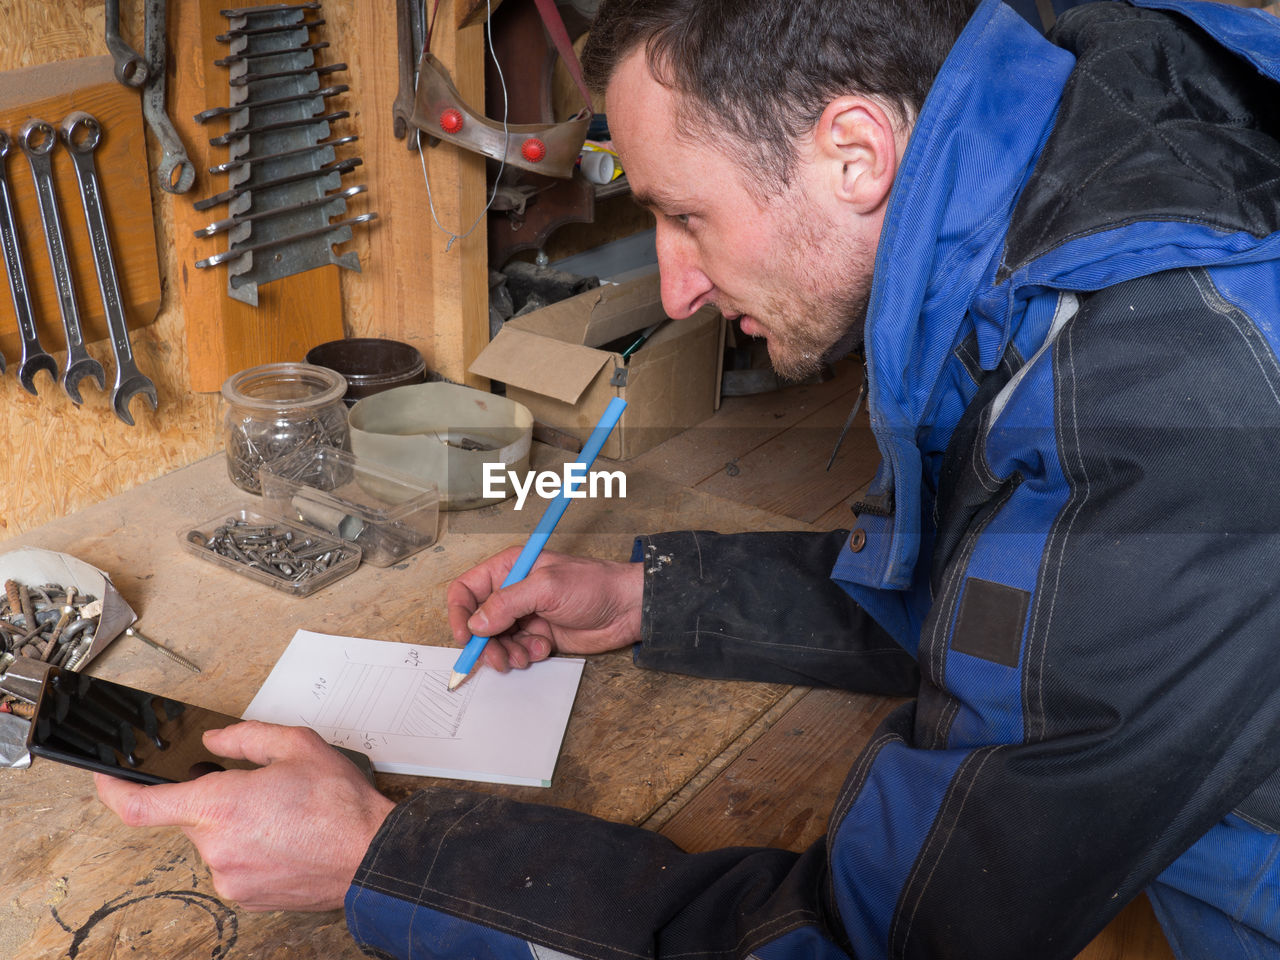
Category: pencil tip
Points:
column 455, row 680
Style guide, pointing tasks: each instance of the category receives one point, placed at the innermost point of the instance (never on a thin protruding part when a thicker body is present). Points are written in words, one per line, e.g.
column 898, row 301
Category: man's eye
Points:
column 681, row 218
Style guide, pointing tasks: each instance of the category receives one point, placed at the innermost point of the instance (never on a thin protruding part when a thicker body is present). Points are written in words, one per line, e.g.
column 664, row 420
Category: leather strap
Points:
column 558, row 33
column 554, row 23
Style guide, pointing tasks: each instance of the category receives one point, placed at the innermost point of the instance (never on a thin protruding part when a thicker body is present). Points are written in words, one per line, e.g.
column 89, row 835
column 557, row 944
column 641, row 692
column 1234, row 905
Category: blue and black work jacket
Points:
column 1070, row 554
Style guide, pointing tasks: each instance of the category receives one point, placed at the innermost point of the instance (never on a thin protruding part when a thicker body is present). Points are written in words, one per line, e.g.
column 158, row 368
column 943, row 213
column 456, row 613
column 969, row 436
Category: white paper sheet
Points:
column 392, row 702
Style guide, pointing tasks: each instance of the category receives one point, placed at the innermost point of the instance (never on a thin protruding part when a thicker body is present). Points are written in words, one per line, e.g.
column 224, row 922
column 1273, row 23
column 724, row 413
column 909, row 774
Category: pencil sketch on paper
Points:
column 396, row 700
column 391, row 701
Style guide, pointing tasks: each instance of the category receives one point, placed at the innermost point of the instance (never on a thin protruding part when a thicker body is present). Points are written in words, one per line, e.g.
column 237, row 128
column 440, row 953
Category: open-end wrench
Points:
column 38, row 140
column 340, row 167
column 261, row 54
column 131, row 68
column 226, row 256
column 267, row 31
column 81, row 133
column 317, row 69
column 408, row 48
column 270, row 8
column 227, row 223
column 296, row 151
column 176, row 173
column 223, row 139
column 206, row 115
column 34, row 357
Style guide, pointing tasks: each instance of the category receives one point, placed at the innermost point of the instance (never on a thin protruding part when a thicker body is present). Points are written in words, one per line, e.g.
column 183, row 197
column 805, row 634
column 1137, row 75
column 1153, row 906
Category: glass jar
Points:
column 273, row 409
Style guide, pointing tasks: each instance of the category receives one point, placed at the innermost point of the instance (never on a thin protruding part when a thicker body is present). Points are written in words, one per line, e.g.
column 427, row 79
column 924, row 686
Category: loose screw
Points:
column 161, row 648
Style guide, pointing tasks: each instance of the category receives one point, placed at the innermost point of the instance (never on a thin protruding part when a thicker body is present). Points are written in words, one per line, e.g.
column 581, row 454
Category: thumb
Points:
column 504, row 607
column 263, row 743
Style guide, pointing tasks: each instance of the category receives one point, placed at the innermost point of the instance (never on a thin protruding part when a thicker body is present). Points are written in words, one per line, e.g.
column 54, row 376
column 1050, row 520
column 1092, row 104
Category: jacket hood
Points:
column 949, row 266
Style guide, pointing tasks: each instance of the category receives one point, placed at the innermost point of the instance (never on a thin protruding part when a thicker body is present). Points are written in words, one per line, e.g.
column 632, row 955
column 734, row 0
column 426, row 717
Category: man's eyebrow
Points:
column 655, row 199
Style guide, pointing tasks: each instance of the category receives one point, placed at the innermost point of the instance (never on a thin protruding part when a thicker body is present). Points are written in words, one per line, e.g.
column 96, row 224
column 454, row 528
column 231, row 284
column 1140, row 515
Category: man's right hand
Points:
column 286, row 836
column 566, row 604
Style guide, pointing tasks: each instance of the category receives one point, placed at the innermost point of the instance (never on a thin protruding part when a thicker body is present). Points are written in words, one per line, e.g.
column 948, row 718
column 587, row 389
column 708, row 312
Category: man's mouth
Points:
column 750, row 326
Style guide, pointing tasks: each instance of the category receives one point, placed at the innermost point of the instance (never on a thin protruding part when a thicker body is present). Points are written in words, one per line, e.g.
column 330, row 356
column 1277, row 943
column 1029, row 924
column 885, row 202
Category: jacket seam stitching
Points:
column 1056, row 545
column 979, row 757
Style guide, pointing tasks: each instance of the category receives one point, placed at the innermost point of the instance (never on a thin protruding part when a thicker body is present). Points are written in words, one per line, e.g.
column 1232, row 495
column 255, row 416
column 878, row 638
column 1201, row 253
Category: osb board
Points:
column 78, row 883
column 293, row 313
column 59, row 457
column 50, row 92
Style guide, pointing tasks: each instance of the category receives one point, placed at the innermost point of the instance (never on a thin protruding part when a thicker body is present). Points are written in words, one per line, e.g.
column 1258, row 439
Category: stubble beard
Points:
column 823, row 316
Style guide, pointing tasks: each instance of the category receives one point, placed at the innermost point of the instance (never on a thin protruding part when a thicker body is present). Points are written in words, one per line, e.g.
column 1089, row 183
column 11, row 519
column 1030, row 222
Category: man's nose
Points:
column 685, row 287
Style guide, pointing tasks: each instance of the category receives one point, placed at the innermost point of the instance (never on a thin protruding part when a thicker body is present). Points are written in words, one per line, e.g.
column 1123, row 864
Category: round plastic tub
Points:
column 444, row 434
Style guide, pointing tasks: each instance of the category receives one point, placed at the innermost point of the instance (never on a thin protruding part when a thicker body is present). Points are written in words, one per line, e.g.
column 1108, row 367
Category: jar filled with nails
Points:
column 273, row 409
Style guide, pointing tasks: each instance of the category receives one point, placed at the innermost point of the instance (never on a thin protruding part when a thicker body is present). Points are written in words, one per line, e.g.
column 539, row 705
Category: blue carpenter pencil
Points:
column 541, row 533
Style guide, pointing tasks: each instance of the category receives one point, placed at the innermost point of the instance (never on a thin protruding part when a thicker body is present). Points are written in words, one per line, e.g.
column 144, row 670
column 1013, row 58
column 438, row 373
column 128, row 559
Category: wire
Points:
column 506, row 108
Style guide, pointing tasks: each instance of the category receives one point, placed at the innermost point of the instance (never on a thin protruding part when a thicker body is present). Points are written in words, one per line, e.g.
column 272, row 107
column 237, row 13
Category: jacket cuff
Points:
column 761, row 606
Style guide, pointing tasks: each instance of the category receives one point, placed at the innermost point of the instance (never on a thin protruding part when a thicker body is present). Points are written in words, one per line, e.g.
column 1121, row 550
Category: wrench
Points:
column 226, row 256
column 221, row 226
column 131, row 69
column 38, row 140
column 34, row 357
column 176, row 173
column 409, row 44
column 81, row 133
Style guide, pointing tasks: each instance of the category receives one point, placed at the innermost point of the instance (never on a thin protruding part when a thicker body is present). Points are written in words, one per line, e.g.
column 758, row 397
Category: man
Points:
column 1071, row 339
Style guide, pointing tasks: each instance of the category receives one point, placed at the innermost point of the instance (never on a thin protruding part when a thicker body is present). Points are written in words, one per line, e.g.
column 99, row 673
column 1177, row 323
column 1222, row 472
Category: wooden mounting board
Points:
column 50, row 92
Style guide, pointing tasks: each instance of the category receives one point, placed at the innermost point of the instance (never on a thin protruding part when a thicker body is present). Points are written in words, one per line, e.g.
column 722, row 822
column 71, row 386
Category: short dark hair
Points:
column 762, row 71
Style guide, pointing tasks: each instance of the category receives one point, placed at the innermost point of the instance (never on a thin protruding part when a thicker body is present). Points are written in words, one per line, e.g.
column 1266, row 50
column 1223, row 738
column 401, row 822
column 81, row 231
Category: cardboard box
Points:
column 555, row 362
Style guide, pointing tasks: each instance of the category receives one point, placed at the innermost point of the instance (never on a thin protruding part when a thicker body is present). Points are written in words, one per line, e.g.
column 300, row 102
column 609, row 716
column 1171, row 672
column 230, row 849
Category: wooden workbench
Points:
column 80, row 884
column 706, row 763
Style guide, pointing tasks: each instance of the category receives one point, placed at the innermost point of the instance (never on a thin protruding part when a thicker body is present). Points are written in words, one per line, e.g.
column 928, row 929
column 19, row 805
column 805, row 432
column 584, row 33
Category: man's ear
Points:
column 857, row 143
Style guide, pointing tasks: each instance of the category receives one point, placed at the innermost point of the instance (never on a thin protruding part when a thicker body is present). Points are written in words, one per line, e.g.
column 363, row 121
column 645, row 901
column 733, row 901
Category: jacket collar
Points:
column 971, row 150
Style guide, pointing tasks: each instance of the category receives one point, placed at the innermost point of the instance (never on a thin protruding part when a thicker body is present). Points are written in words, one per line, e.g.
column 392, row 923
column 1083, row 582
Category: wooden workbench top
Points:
column 80, row 884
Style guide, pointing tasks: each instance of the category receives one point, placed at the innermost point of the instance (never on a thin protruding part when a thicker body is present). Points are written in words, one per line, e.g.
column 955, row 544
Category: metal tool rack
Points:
column 284, row 178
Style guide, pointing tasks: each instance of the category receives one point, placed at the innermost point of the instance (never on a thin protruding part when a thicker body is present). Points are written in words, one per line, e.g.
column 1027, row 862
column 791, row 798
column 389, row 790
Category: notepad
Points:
column 392, row 702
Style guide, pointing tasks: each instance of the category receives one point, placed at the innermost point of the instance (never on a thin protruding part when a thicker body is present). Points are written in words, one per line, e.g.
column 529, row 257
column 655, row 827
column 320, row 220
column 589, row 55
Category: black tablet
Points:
column 129, row 733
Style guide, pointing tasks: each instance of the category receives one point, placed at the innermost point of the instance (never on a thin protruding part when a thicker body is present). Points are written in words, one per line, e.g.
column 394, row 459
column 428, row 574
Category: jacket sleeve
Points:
column 461, row 875
column 457, row 874
column 761, row 606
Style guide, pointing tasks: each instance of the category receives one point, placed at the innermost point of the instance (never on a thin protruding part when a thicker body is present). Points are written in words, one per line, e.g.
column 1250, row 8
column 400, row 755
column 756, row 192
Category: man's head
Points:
column 765, row 136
